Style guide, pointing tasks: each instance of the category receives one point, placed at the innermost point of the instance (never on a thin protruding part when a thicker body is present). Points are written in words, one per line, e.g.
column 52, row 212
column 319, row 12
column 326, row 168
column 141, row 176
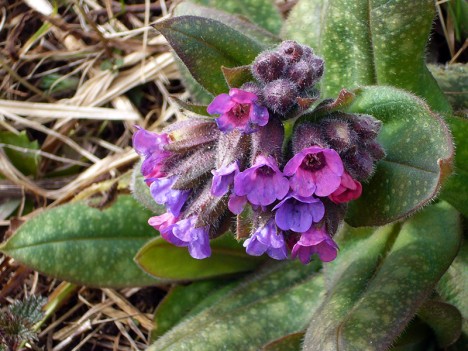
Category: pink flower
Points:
column 315, row 241
column 238, row 110
column 349, row 189
column 314, row 170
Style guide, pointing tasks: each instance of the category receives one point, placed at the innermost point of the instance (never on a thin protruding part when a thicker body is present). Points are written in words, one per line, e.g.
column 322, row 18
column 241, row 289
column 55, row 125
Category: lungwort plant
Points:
column 317, row 153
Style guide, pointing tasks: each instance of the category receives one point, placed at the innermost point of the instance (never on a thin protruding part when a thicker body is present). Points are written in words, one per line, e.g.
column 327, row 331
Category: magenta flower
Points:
column 238, row 110
column 349, row 189
column 162, row 223
column 315, row 170
column 263, row 183
column 267, row 239
column 151, row 147
column 223, row 178
column 315, row 241
column 297, row 213
column 163, row 194
column 185, row 234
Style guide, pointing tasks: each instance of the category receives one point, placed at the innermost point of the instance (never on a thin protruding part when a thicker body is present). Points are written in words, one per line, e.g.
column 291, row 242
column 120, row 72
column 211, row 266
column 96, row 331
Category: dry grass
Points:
column 77, row 78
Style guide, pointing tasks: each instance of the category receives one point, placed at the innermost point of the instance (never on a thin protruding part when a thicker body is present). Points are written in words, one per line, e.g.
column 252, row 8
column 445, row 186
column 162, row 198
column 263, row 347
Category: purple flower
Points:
column 263, row 183
column 223, row 178
column 238, row 110
column 150, row 146
column 236, row 203
column 297, row 213
column 185, row 234
column 315, row 241
column 315, row 170
column 163, row 194
column 267, row 239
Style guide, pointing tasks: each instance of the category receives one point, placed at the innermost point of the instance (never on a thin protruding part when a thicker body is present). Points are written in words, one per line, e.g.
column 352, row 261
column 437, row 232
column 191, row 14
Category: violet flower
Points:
column 185, row 234
column 297, row 213
column 223, row 178
column 238, row 110
column 151, row 147
column 236, row 203
column 315, row 241
column 267, row 239
column 163, row 194
column 349, row 189
column 315, row 170
column 263, row 183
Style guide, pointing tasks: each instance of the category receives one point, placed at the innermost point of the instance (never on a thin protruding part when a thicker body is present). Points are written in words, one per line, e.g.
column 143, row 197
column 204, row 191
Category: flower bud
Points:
column 359, row 164
column 301, row 74
column 280, row 95
column 306, row 135
column 194, row 169
column 252, row 87
column 375, row 150
column 366, row 126
column 335, row 215
column 317, row 65
column 290, row 50
column 338, row 134
column 268, row 140
column 268, row 66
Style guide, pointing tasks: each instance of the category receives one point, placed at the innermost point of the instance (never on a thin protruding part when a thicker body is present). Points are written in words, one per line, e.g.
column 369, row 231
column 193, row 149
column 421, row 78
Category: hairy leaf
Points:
column 372, row 42
column 85, row 245
column 369, row 311
column 268, row 305
column 204, row 45
column 455, row 189
column 419, row 156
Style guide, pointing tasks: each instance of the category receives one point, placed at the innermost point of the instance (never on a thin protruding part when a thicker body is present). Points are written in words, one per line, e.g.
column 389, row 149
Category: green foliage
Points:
column 419, row 156
column 455, row 190
column 85, row 245
column 371, row 43
column 452, row 80
column 268, row 305
column 22, row 153
column 221, row 46
column 17, row 322
column 378, row 284
column 261, row 12
column 164, row 260
column 179, row 302
column 291, row 342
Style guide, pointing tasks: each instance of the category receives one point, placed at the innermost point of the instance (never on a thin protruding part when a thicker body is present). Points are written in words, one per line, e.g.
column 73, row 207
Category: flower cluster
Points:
column 289, row 195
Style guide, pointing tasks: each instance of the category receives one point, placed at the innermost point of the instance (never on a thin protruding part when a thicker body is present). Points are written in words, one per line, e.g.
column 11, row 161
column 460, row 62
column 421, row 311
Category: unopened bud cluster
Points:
column 284, row 75
column 234, row 172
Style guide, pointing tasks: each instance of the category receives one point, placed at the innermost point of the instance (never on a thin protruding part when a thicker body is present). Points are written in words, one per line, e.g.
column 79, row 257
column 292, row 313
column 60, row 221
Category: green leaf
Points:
column 164, row 260
column 419, row 156
column 7, row 207
column 275, row 302
column 237, row 76
column 414, row 337
column 141, row 191
column 445, row 319
column 204, row 45
column 195, row 108
column 261, row 12
column 455, row 189
column 23, row 154
column 178, row 302
column 370, row 303
column 376, row 42
column 85, row 245
column 452, row 80
column 291, row 342
column 304, row 21
column 453, row 287
column 238, row 23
